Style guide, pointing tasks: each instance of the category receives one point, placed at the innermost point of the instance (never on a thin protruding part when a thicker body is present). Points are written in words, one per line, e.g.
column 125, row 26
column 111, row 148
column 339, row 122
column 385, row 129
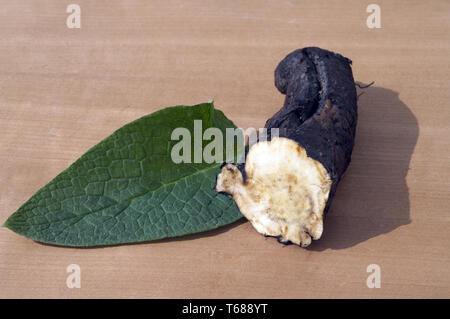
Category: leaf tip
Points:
column 9, row 223
column 6, row 224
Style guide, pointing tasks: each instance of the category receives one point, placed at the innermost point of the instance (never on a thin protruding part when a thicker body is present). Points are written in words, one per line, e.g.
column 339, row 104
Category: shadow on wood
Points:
column 372, row 198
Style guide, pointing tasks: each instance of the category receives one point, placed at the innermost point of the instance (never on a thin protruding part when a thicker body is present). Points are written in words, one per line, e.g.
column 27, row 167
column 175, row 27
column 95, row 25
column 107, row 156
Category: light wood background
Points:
column 63, row 90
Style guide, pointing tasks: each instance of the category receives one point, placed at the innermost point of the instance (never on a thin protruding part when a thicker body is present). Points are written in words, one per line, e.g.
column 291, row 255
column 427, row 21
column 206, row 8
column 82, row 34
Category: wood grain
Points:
column 63, row 90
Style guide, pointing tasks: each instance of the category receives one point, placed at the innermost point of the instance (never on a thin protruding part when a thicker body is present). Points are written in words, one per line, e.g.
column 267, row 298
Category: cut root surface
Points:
column 285, row 191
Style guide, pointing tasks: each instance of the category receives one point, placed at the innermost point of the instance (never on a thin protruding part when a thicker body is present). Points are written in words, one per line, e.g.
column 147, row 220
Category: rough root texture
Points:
column 287, row 184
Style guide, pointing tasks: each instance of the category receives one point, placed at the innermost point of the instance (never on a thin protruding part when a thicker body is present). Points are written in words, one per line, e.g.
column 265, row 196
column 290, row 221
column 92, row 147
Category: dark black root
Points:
column 320, row 109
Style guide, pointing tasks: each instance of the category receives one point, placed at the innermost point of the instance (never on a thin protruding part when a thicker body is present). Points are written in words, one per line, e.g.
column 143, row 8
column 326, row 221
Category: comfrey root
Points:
column 288, row 182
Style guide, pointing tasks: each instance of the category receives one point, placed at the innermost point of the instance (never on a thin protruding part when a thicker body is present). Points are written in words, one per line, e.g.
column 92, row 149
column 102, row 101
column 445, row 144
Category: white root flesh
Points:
column 285, row 191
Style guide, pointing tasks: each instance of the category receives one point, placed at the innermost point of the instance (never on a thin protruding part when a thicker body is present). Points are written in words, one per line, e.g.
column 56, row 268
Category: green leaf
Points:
column 127, row 188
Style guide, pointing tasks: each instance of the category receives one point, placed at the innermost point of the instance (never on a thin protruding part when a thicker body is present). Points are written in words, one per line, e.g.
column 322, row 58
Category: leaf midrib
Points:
column 81, row 216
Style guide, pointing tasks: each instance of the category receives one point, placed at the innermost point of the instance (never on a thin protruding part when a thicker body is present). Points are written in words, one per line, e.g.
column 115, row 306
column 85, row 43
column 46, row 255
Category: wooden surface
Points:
column 63, row 90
